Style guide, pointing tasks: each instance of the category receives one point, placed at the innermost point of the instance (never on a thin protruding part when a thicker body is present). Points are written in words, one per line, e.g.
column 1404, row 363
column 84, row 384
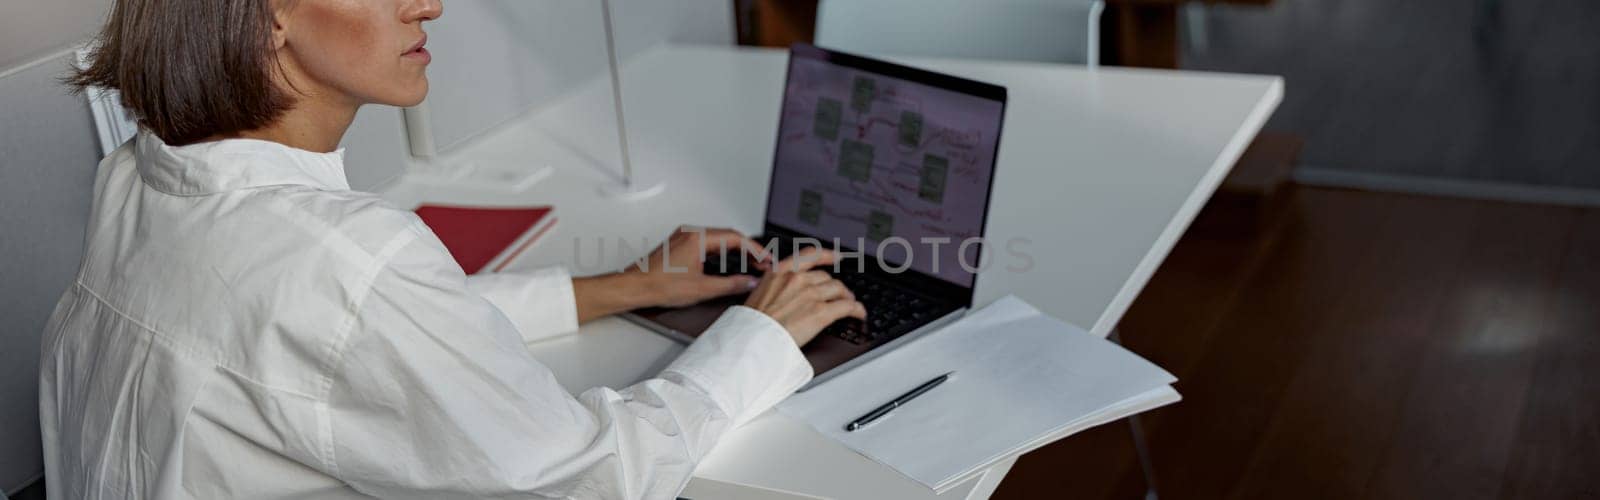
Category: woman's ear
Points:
column 284, row 65
column 280, row 22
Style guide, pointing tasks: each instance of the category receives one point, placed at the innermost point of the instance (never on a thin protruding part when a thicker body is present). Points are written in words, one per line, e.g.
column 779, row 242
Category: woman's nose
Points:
column 423, row 10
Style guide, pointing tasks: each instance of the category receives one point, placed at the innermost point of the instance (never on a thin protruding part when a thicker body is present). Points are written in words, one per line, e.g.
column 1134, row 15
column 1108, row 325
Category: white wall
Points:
column 375, row 149
column 47, row 157
column 496, row 59
column 31, row 29
column 641, row 24
column 48, row 151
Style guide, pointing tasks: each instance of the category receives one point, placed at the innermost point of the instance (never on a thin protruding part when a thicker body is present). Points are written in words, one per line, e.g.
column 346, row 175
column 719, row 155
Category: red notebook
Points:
column 486, row 237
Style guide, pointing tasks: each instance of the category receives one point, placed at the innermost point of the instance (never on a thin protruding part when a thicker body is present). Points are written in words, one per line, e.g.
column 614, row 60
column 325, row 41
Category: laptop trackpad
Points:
column 693, row 320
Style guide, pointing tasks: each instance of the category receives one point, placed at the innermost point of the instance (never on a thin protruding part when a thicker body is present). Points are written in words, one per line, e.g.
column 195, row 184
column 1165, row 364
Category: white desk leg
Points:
column 1140, row 447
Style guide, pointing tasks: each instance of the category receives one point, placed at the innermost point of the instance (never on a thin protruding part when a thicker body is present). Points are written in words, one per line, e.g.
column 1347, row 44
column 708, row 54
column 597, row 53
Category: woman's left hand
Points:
column 673, row 275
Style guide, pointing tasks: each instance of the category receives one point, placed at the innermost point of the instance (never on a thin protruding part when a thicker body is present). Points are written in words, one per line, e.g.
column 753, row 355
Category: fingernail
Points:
column 751, row 283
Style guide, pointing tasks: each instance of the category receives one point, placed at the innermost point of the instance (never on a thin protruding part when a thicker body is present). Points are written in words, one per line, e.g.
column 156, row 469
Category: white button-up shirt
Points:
column 246, row 326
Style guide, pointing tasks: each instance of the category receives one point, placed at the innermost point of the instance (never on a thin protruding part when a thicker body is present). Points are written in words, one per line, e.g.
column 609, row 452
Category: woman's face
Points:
column 367, row 51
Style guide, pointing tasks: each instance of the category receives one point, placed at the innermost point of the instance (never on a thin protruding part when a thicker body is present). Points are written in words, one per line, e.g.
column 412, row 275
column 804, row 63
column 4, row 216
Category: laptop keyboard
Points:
column 891, row 311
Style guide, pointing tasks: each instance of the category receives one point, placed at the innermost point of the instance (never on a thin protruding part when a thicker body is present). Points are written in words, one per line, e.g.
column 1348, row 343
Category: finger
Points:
column 803, row 282
column 792, row 283
column 832, row 290
column 814, row 278
column 718, row 286
column 807, row 259
column 859, row 311
column 838, row 309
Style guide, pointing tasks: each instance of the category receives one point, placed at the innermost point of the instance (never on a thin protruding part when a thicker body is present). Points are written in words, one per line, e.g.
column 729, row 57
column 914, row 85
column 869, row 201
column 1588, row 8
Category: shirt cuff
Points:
column 746, row 362
column 540, row 303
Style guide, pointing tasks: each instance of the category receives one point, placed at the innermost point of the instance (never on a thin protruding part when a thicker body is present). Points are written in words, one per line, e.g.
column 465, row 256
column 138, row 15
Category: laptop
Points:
column 889, row 165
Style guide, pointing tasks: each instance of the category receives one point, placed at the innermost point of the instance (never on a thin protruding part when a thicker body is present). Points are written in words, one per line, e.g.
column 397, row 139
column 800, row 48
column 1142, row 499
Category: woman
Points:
column 245, row 326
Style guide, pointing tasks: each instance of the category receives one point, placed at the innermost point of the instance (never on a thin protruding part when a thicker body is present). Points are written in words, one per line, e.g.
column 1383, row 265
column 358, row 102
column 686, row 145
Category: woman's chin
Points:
column 405, row 98
column 411, row 102
column 416, row 97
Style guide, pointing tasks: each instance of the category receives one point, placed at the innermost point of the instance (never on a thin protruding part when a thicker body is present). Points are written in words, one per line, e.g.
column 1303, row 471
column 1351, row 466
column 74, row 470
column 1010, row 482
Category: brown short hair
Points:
column 190, row 69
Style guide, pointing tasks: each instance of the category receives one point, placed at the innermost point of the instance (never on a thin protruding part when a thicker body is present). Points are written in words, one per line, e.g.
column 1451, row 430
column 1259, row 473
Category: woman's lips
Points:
column 419, row 51
column 421, row 55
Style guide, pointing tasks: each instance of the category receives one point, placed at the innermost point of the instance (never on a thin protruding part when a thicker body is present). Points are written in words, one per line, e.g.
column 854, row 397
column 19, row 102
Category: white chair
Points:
column 1060, row 31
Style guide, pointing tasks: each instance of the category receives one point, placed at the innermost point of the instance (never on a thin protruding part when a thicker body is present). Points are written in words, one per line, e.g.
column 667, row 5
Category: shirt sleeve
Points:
column 437, row 397
column 539, row 303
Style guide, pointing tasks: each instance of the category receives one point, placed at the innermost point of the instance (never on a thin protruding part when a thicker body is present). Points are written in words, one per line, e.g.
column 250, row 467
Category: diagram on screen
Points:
column 868, row 154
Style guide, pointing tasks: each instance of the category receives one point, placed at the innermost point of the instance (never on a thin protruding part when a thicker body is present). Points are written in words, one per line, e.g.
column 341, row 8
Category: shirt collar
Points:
column 234, row 164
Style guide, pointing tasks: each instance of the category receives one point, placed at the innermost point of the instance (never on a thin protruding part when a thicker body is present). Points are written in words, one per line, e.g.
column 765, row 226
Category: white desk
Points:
column 1101, row 170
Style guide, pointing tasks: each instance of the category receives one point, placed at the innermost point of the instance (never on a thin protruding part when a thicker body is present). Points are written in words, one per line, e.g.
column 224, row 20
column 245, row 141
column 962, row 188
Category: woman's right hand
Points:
column 803, row 299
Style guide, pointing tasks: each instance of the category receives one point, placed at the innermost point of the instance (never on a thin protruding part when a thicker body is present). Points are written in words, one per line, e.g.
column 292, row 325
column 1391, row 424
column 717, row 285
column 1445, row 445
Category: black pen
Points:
column 890, row 406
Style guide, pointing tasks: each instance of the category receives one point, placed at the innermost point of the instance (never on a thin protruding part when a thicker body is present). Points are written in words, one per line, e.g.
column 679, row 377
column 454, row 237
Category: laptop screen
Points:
column 890, row 161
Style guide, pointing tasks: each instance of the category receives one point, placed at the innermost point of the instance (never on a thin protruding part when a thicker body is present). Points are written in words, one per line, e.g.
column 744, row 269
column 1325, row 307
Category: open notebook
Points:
column 1021, row 380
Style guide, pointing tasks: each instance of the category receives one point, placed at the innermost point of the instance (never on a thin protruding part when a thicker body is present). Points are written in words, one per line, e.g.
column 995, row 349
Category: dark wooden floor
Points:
column 1363, row 346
